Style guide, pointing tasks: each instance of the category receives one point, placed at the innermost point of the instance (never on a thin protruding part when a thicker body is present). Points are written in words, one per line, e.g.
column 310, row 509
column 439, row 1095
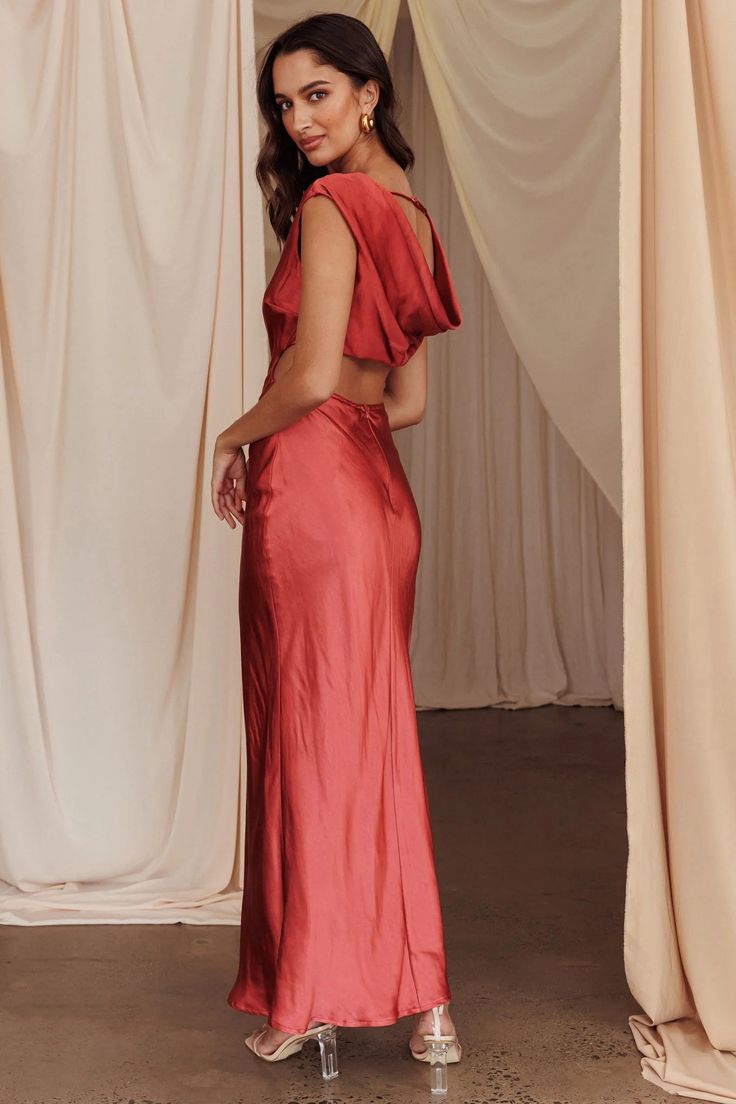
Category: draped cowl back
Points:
column 397, row 300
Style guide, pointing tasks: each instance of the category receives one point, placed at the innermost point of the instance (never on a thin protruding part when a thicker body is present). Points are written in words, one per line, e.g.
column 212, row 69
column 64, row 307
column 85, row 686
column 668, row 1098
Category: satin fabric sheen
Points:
column 341, row 918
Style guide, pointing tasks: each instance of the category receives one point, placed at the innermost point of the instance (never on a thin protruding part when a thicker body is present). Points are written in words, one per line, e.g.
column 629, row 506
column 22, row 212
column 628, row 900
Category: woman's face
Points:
column 318, row 101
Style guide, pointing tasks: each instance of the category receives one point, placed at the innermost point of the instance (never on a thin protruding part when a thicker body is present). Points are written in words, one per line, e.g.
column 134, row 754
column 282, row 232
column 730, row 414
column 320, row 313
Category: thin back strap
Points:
column 413, row 198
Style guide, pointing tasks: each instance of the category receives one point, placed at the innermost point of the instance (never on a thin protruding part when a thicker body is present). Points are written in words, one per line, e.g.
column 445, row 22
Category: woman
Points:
column 341, row 920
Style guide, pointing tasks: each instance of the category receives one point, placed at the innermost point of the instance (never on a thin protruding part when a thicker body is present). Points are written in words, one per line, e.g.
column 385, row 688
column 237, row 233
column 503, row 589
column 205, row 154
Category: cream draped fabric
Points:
column 519, row 585
column 527, row 97
column 122, row 358
column 678, row 343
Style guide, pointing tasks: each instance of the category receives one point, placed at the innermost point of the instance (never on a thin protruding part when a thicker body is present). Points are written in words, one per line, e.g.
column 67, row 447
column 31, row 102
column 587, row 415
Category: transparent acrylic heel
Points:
column 327, row 1040
column 438, row 1059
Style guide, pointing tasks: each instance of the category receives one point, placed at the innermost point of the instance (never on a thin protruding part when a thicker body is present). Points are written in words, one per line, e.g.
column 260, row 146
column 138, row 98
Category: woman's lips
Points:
column 310, row 143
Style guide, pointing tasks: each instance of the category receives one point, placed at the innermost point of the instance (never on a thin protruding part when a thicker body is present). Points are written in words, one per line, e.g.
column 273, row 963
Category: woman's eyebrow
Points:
column 304, row 88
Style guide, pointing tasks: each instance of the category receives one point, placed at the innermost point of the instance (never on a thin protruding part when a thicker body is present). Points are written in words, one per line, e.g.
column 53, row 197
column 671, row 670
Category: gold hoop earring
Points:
column 367, row 123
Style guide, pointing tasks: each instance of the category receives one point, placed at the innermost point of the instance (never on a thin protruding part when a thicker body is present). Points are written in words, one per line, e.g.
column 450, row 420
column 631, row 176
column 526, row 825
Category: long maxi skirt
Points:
column 341, row 917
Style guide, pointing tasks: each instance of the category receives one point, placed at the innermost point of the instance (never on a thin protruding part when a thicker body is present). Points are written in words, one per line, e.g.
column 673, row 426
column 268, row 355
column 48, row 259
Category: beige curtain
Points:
column 519, row 589
column 527, row 97
column 678, row 342
column 121, row 337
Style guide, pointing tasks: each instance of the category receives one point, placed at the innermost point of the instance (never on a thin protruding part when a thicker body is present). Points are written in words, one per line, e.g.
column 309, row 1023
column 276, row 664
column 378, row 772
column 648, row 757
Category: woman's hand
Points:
column 229, row 482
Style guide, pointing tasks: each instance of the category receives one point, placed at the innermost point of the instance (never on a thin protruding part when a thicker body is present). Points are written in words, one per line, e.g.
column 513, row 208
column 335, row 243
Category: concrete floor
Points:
column 529, row 824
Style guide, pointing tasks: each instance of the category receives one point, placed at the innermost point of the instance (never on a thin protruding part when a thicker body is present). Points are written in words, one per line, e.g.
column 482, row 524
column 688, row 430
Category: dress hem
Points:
column 261, row 1011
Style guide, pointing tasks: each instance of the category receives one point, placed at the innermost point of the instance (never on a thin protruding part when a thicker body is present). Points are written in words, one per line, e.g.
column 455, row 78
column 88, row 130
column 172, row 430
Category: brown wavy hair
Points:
column 348, row 45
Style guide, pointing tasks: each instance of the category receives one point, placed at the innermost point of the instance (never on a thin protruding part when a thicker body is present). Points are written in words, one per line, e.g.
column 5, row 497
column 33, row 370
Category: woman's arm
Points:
column 328, row 262
column 405, row 393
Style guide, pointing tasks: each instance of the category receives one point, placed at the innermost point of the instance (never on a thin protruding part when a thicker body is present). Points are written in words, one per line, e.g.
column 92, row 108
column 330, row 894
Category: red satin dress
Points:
column 341, row 918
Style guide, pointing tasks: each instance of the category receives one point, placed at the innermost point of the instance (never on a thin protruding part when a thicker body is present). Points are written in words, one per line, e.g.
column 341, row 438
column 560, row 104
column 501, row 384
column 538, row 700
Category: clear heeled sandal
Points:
column 441, row 1050
column 325, row 1034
